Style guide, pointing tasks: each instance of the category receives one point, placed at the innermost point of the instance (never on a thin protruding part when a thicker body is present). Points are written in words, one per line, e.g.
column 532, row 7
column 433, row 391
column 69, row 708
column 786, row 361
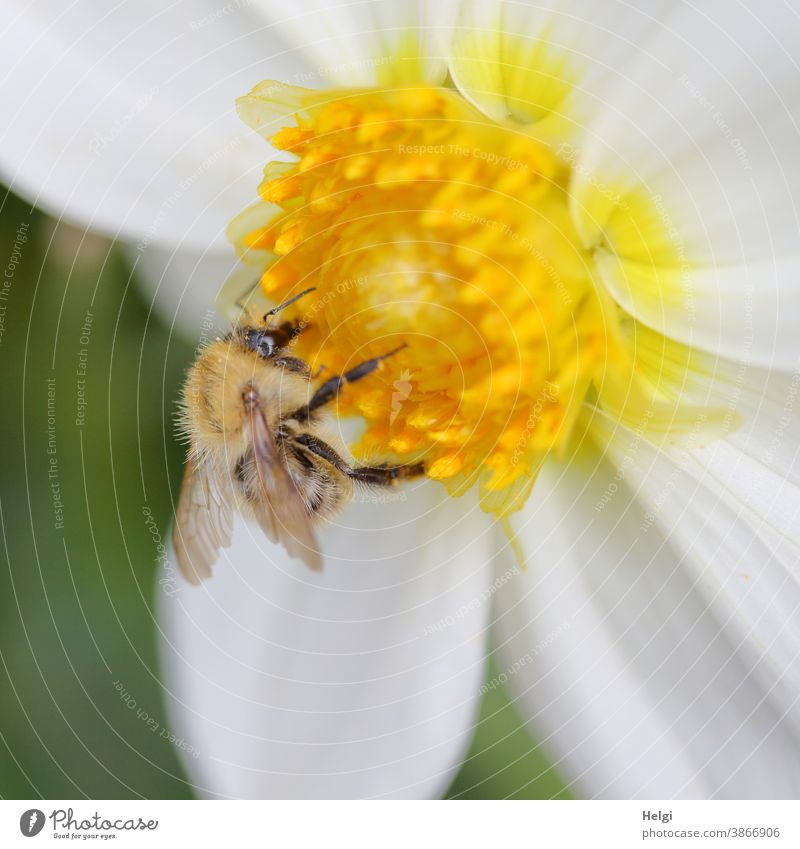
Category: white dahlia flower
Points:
column 582, row 216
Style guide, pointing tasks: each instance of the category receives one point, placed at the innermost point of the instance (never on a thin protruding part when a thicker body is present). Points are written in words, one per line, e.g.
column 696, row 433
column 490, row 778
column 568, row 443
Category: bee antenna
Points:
column 393, row 351
column 289, row 302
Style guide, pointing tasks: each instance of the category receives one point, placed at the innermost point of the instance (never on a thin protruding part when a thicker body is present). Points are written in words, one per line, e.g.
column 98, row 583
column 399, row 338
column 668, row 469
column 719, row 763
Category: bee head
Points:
column 265, row 342
column 268, row 341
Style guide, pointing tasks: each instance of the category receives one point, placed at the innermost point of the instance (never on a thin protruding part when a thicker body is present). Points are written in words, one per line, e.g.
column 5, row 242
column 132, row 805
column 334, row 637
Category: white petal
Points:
column 703, row 124
column 769, row 411
column 122, row 118
column 736, row 518
column 749, row 312
column 629, row 678
column 359, row 681
column 544, row 62
column 181, row 287
column 366, row 42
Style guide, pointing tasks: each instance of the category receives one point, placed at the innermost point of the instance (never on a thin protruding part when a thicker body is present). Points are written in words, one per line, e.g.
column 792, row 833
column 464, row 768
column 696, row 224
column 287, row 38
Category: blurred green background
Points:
column 77, row 601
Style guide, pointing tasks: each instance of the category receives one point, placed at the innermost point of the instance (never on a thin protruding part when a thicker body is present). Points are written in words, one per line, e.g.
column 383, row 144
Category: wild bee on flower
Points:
column 583, row 219
column 260, row 445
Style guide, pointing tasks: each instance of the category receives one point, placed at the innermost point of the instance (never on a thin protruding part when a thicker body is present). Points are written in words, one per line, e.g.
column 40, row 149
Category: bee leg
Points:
column 293, row 364
column 331, row 388
column 374, row 475
column 321, row 448
column 386, row 475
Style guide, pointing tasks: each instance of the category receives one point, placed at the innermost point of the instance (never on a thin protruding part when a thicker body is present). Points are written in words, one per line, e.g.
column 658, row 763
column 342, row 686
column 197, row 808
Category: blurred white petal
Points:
column 122, row 118
column 636, row 687
column 361, row 43
column 181, row 287
column 359, row 681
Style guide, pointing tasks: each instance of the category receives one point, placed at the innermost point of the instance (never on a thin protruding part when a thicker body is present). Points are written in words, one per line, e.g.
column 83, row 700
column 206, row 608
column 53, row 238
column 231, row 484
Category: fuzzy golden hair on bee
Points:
column 261, row 442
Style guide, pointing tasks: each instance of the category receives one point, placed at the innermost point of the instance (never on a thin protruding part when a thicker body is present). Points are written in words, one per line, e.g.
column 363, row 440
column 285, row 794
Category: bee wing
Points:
column 203, row 523
column 282, row 515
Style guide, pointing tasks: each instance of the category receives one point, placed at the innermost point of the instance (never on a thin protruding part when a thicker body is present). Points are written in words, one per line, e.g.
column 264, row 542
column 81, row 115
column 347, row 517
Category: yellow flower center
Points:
column 421, row 222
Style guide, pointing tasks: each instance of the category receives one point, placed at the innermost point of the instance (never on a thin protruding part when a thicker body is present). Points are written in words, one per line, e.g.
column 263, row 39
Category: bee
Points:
column 260, row 443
